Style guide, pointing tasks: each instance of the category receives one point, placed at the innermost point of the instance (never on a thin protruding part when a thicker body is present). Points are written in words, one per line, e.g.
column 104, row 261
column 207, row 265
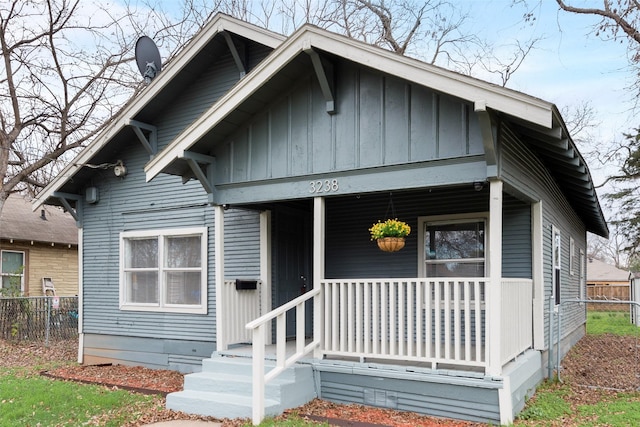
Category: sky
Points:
column 569, row 67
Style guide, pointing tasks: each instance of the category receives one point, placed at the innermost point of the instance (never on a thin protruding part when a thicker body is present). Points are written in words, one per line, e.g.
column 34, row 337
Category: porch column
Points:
column 318, row 269
column 494, row 293
column 221, row 339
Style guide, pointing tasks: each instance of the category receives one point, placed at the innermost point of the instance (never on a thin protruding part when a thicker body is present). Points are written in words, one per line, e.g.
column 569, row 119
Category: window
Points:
column 453, row 248
column 164, row 270
column 572, row 255
column 12, row 270
column 557, row 252
column 581, row 269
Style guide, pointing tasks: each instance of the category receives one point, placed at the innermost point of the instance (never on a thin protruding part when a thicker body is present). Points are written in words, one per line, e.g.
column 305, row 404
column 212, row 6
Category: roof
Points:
column 153, row 99
column 599, row 271
column 538, row 122
column 49, row 225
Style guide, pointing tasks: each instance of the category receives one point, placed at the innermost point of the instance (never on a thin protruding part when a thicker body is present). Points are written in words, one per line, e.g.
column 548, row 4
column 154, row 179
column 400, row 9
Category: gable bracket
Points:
column 488, row 138
column 324, row 73
column 64, row 198
column 205, row 177
column 150, row 144
column 236, row 55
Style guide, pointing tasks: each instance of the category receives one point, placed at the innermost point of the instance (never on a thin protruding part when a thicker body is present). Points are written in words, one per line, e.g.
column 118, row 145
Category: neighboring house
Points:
column 249, row 172
column 36, row 245
column 607, row 282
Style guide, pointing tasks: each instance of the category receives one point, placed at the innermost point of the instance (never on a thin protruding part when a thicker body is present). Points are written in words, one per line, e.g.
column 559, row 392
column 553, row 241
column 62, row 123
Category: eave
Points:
column 310, row 38
column 121, row 122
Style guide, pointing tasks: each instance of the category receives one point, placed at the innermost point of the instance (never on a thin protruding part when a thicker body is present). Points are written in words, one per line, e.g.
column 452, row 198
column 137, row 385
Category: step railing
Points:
column 260, row 328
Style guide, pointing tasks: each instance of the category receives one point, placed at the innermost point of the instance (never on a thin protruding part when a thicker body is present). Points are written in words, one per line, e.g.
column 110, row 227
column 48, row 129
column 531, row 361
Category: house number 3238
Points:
column 326, row 186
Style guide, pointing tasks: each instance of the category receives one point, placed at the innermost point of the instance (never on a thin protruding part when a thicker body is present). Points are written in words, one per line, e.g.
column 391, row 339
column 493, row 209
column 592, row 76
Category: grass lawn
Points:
column 28, row 399
column 569, row 404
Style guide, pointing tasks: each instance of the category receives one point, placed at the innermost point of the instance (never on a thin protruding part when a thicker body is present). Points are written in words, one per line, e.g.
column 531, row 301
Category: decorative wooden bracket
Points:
column 235, row 54
column 150, row 144
column 488, row 138
column 205, row 177
column 325, row 75
column 76, row 212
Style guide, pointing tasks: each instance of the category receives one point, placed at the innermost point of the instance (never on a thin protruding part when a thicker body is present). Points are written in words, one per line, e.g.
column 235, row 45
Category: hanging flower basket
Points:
column 390, row 244
column 390, row 234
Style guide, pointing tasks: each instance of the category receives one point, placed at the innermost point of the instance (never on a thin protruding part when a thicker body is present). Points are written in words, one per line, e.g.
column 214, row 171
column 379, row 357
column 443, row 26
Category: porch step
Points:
column 224, row 389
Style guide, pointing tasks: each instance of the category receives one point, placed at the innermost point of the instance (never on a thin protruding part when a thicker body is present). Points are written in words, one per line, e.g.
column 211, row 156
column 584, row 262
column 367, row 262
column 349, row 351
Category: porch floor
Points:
column 246, row 350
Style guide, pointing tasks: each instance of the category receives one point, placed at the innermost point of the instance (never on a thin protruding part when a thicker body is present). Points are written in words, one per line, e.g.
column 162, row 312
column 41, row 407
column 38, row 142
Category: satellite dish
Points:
column 148, row 58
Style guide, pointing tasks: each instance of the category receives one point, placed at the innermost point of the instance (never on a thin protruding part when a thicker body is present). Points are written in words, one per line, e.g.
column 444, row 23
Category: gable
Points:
column 380, row 121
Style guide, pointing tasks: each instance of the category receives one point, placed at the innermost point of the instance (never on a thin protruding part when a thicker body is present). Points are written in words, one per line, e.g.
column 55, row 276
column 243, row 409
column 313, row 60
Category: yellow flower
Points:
column 389, row 228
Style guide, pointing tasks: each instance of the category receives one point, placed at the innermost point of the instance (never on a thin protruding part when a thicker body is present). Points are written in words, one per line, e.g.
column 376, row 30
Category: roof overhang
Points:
column 310, row 38
column 119, row 127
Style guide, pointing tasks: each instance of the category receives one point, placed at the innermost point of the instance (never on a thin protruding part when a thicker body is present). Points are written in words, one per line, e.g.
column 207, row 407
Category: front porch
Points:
column 453, row 327
column 412, row 344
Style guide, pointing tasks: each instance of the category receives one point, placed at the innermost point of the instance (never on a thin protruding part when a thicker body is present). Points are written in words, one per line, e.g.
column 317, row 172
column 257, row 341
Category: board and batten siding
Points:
column 522, row 170
column 380, row 121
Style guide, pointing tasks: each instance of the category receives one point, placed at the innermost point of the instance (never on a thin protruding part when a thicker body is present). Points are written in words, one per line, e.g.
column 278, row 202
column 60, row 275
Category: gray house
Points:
column 246, row 177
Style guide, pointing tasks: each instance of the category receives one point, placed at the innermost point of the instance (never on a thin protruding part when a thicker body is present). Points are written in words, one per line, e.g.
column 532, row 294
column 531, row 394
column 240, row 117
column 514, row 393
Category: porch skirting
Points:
column 456, row 394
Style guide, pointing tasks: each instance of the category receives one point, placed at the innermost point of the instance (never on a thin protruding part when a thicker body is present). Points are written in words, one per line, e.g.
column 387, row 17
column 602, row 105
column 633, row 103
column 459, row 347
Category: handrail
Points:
column 259, row 328
column 283, row 308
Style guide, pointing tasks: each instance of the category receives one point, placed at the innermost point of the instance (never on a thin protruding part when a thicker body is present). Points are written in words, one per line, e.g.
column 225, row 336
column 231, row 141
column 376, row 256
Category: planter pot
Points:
column 391, row 244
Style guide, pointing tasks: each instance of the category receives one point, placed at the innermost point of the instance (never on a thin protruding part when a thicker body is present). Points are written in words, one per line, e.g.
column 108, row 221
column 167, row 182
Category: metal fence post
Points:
column 46, row 330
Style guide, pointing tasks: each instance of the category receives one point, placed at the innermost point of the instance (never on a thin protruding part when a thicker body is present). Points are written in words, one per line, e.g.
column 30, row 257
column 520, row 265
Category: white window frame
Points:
column 21, row 275
column 572, row 255
column 450, row 219
column 556, row 263
column 581, row 275
column 161, row 305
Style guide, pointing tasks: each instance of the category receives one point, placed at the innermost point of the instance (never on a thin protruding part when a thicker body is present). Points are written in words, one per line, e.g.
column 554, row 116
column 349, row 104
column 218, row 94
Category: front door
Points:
column 292, row 259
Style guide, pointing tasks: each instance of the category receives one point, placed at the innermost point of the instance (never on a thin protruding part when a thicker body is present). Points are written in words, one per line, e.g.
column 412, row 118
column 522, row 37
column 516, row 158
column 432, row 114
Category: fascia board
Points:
column 527, row 108
column 218, row 24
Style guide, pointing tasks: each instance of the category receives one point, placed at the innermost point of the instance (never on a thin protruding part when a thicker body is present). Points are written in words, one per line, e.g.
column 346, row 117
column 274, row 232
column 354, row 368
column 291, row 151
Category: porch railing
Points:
column 441, row 321
column 259, row 329
column 424, row 320
column 517, row 317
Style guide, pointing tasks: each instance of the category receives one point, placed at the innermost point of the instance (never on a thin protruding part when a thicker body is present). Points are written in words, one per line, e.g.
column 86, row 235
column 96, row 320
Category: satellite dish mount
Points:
column 148, row 58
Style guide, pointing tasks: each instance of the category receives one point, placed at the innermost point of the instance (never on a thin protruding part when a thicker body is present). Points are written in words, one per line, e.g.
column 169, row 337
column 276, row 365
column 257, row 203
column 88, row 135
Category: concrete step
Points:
column 223, row 389
column 215, row 404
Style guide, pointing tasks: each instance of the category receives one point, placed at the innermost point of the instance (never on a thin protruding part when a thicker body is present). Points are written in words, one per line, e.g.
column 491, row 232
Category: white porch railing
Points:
column 246, row 307
column 424, row 320
column 517, row 317
column 259, row 329
column 433, row 320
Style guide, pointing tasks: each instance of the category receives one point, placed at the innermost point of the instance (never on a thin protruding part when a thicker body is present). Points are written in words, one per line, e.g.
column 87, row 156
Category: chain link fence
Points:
column 608, row 357
column 38, row 319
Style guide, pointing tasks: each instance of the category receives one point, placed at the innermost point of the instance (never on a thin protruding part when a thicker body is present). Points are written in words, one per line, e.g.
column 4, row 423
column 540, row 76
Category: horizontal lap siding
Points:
column 130, row 203
column 526, row 174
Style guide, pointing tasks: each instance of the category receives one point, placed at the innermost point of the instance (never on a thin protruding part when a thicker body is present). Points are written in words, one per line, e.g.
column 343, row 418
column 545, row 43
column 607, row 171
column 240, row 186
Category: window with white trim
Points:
column 557, row 255
column 12, row 270
column 164, row 270
column 453, row 247
column 572, row 255
column 583, row 283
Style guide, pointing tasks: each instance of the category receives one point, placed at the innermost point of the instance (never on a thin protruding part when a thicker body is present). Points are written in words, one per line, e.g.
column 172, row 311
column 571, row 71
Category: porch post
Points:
column 494, row 293
column 318, row 269
column 221, row 339
column 265, row 265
